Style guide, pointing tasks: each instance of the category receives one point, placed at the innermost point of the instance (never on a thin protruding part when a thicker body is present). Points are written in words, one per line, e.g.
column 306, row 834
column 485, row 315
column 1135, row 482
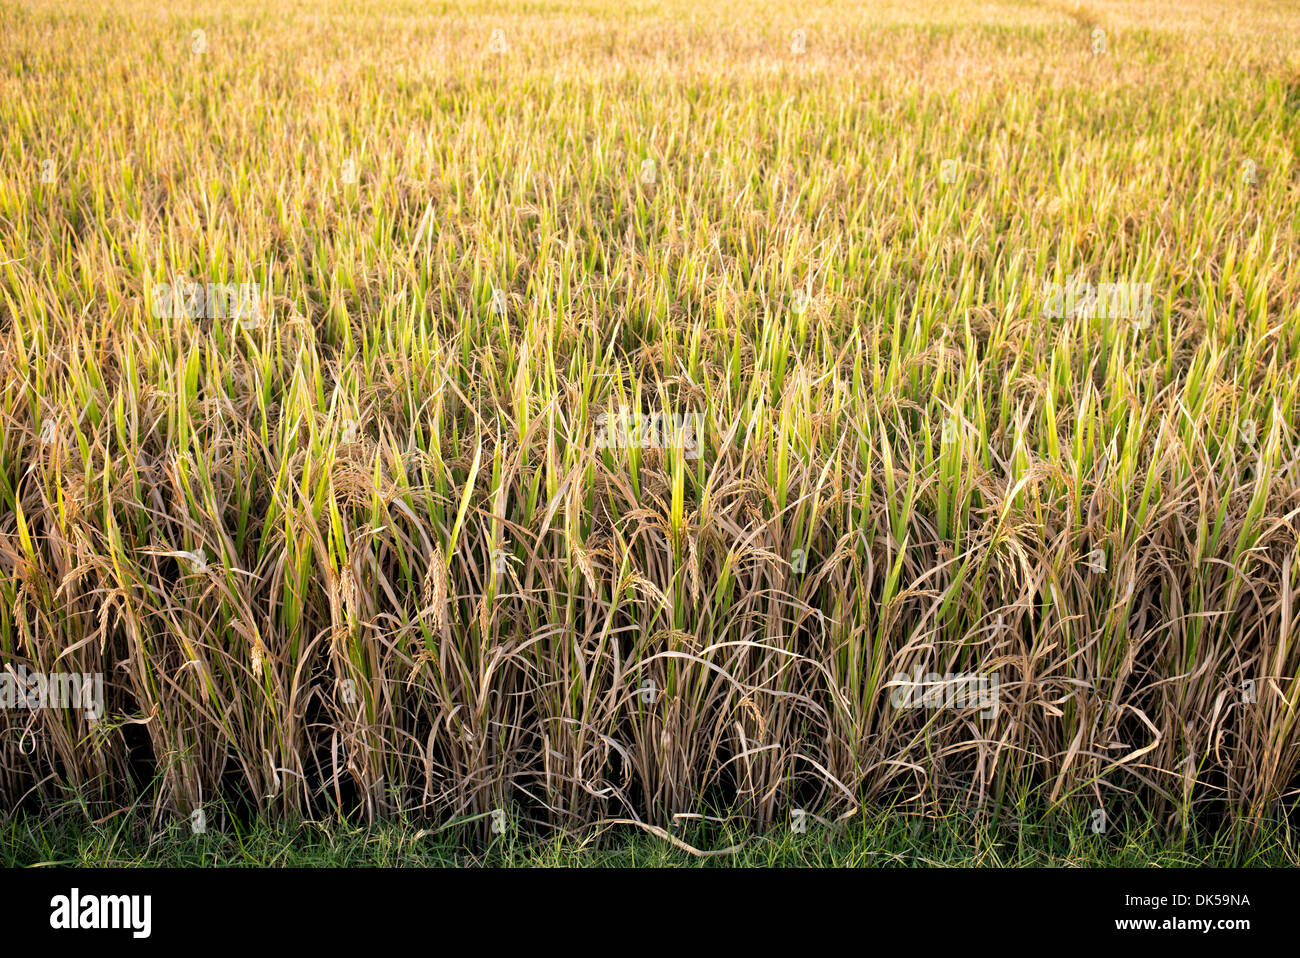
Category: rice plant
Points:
column 596, row 413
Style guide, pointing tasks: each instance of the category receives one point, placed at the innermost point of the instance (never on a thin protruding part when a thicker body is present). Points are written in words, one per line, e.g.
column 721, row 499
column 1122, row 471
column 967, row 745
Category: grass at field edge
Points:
column 880, row 840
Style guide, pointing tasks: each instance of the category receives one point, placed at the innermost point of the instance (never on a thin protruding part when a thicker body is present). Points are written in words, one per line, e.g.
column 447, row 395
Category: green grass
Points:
column 879, row 841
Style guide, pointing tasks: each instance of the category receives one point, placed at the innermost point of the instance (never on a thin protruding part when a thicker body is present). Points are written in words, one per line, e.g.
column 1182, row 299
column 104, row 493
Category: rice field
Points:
column 563, row 413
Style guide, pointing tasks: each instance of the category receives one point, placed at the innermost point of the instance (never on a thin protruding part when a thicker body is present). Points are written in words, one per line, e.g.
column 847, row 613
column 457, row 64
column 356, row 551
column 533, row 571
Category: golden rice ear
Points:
column 434, row 593
column 583, row 560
